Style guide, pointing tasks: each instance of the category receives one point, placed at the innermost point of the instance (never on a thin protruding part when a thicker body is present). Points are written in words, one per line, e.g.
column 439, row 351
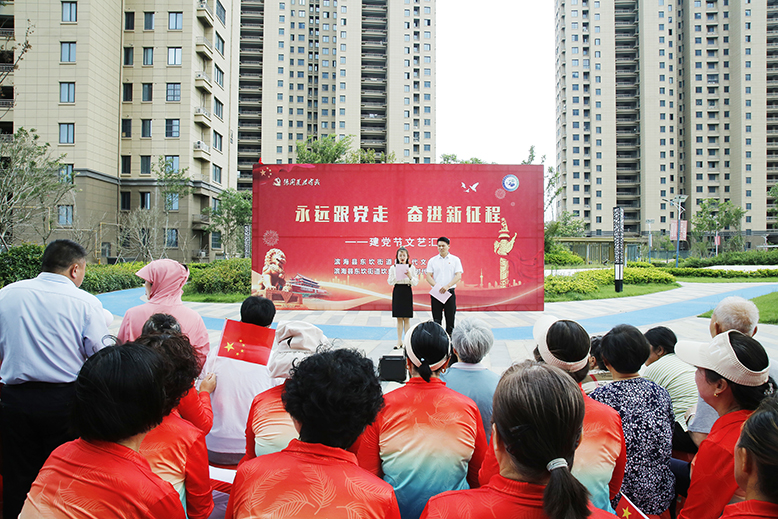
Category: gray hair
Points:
column 736, row 313
column 472, row 339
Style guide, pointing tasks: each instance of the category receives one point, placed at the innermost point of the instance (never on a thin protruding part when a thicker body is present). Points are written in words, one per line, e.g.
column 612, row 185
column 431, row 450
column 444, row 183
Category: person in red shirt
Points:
column 119, row 397
column 732, row 377
column 537, row 422
column 331, row 396
column 176, row 449
column 756, row 464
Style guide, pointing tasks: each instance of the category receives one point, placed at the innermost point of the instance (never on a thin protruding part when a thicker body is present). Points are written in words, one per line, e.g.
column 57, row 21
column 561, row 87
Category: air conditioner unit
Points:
column 203, row 254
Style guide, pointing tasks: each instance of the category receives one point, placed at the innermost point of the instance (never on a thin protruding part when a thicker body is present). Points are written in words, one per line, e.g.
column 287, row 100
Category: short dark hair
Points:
column 443, row 238
column 538, row 414
column 625, row 348
column 61, row 254
column 161, row 323
column 257, row 310
column 334, row 395
column 752, row 355
column 760, row 438
column 430, row 344
column 568, row 341
column 661, row 337
column 183, row 363
column 596, row 351
column 119, row 393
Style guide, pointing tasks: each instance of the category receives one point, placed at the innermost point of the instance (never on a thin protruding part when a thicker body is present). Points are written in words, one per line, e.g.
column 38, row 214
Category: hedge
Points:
column 22, row 262
column 718, row 273
column 767, row 257
column 223, row 276
column 109, row 278
column 588, row 281
column 559, row 255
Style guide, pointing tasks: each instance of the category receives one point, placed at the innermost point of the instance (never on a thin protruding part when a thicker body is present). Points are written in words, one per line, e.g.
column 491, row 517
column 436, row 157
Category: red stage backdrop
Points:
column 325, row 235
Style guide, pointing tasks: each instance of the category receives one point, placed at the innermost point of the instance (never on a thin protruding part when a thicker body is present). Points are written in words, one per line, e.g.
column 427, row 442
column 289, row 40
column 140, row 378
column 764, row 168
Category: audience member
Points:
column 472, row 339
column 732, row 313
column 665, row 368
column 119, row 397
column 240, row 380
column 164, row 282
column 646, row 417
column 538, row 415
column 733, row 378
column 269, row 427
column 756, row 464
column 48, row 327
column 428, row 438
column 175, row 448
column 598, row 374
column 195, row 405
column 331, row 397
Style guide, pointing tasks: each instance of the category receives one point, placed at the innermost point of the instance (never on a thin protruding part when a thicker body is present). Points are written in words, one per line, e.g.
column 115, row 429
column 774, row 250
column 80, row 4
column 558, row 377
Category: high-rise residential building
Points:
column 313, row 68
column 118, row 86
column 665, row 98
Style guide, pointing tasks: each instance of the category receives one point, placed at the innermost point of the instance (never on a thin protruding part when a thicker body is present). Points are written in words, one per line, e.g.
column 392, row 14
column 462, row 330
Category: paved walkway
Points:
column 375, row 332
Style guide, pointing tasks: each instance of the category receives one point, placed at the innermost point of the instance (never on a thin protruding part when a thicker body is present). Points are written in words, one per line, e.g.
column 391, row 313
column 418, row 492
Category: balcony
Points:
column 202, row 116
column 205, row 14
column 200, row 222
column 202, row 151
column 204, row 47
column 203, row 81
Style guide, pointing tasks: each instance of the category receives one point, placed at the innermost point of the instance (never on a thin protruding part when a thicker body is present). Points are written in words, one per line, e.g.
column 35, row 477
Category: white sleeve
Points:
column 392, row 279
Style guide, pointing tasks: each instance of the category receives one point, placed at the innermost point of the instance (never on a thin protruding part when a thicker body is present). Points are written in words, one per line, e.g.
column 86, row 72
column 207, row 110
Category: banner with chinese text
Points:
column 325, row 235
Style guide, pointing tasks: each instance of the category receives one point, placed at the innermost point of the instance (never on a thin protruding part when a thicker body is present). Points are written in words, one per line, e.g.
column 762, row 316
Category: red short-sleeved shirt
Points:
column 751, row 509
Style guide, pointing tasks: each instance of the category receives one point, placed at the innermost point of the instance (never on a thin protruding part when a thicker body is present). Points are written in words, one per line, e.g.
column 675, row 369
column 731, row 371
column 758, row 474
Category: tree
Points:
column 327, row 150
column 714, row 216
column 173, row 185
column 566, row 226
column 17, row 49
column 229, row 217
column 451, row 158
column 369, row 156
column 552, row 180
column 30, row 184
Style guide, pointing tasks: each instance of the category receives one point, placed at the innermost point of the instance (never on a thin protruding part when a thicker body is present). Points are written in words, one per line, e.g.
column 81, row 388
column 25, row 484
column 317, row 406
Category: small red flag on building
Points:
column 246, row 342
column 626, row 509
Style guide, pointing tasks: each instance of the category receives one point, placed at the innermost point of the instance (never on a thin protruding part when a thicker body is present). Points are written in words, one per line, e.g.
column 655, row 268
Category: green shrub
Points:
column 643, row 276
column 223, row 276
column 22, row 262
column 588, row 281
column 109, row 278
column 716, row 273
column 560, row 255
column 639, row 264
column 757, row 257
column 565, row 284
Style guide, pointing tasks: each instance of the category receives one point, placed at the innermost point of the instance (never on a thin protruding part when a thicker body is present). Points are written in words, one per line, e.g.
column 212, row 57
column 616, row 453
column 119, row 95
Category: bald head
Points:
column 734, row 313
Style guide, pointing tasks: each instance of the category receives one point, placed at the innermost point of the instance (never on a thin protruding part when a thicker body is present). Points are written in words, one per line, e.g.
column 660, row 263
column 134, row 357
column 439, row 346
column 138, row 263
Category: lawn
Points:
column 767, row 305
column 214, row 298
column 684, row 279
column 609, row 292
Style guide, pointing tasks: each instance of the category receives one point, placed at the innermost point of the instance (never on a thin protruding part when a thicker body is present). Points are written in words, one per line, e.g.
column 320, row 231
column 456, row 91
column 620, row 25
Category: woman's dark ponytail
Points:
column 565, row 497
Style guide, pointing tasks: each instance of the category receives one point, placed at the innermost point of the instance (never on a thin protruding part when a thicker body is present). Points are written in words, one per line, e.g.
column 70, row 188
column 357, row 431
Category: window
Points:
column 145, row 200
column 126, row 164
column 218, row 141
column 172, row 162
column 67, row 92
column 221, row 13
column 129, row 21
column 217, row 174
column 67, row 133
column 65, row 215
column 220, row 44
column 175, row 21
column 171, row 202
column 66, row 174
column 216, row 240
column 147, row 92
column 173, row 92
column 172, row 127
column 69, row 11
column 126, row 128
column 148, row 21
column 174, row 55
column 129, row 56
column 218, row 75
column 145, row 164
column 67, row 52
column 171, row 238
column 218, row 108
column 125, row 201
column 145, row 128
column 148, row 55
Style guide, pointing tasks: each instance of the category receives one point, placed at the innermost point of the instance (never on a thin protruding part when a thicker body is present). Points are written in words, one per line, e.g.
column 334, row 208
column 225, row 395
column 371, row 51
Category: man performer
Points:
column 48, row 328
column 444, row 270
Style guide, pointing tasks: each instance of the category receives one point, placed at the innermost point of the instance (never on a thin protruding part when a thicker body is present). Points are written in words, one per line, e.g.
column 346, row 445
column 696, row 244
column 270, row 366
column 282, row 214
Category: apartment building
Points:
column 313, row 68
column 116, row 86
column 665, row 98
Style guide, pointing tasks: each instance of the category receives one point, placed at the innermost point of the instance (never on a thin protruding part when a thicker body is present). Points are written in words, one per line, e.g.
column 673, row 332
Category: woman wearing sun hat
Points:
column 732, row 377
column 428, row 438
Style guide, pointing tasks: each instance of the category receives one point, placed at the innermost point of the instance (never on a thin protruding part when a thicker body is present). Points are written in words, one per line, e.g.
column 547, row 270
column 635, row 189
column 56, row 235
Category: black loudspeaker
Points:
column 391, row 368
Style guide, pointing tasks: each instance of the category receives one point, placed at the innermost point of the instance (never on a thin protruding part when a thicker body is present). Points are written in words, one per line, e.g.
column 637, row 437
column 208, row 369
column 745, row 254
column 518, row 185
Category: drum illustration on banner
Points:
column 325, row 235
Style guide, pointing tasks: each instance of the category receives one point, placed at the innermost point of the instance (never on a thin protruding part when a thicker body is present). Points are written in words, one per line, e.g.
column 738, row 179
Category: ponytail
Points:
column 425, row 371
column 565, row 497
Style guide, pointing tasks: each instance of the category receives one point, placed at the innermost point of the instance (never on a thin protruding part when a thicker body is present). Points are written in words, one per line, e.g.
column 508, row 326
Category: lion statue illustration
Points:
column 273, row 271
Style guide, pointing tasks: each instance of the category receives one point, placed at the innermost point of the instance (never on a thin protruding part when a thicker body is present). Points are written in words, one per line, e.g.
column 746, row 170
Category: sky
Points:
column 495, row 80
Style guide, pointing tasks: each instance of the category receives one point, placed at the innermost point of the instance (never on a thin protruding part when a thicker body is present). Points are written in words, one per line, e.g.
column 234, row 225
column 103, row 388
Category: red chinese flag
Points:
column 246, row 342
column 626, row 509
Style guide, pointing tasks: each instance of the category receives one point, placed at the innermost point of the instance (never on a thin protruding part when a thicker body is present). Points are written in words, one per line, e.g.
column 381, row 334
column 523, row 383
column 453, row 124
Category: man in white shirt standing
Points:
column 48, row 328
column 444, row 271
